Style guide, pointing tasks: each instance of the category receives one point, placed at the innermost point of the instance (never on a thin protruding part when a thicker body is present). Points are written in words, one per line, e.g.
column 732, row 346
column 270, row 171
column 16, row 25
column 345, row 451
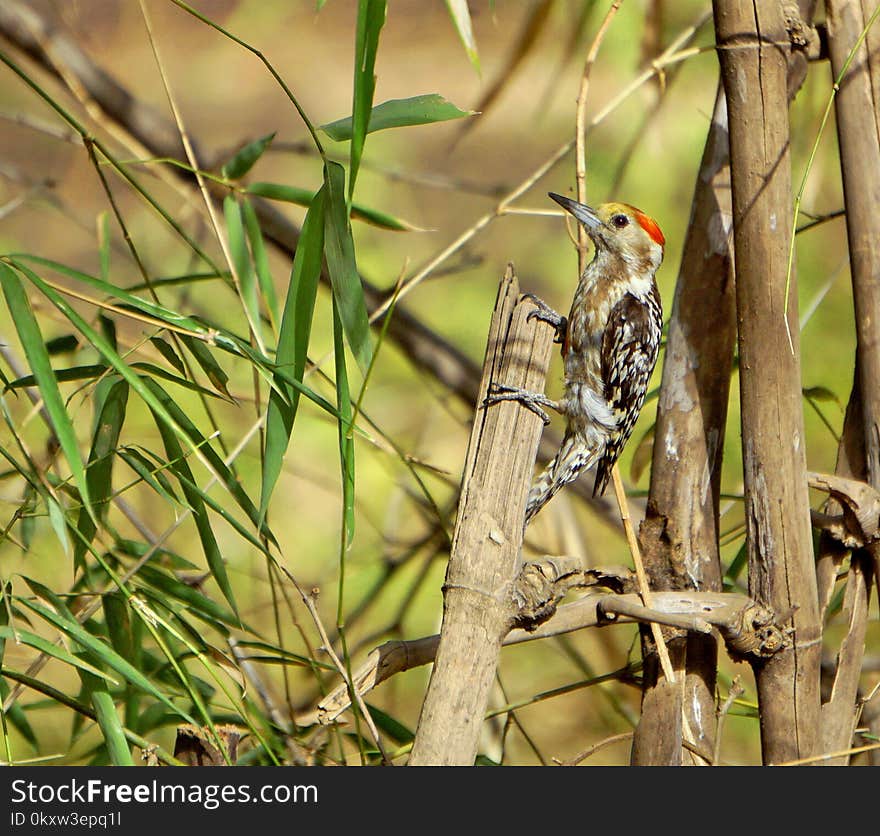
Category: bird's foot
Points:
column 530, row 400
column 546, row 314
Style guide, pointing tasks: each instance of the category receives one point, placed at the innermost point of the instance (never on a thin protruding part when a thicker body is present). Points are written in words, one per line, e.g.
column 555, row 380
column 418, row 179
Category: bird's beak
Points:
column 585, row 214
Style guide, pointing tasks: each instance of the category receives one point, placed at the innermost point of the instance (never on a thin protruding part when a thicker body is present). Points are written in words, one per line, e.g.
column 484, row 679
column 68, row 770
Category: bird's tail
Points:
column 573, row 457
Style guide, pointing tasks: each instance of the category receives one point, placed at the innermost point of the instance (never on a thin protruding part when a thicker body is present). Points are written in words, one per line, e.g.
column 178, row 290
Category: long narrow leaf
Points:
column 461, row 17
column 198, row 441
column 241, row 258
column 151, row 309
column 293, row 344
column 100, row 471
column 244, row 159
column 261, row 261
column 55, row 651
column 38, row 359
column 216, row 375
column 346, row 442
column 400, row 113
column 102, row 652
column 304, row 197
column 344, row 278
column 181, row 468
column 111, row 728
column 371, row 19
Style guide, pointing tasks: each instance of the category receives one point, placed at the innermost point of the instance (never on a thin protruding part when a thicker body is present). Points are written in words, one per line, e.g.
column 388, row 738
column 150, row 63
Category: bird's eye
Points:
column 620, row 221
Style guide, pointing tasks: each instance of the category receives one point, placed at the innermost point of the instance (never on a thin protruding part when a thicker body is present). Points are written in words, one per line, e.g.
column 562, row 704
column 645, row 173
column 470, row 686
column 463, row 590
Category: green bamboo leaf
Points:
column 38, row 359
column 219, row 337
column 221, row 510
column 304, row 197
column 293, row 344
column 169, row 559
column 243, row 160
column 111, row 727
column 821, row 393
column 339, row 252
column 346, row 442
column 241, row 258
column 144, row 306
column 98, row 342
column 261, row 261
column 370, row 20
column 461, row 17
column 100, row 471
column 15, row 712
column 17, row 715
column 181, row 469
column 739, row 562
column 209, row 365
column 199, row 442
column 169, row 589
column 165, row 349
column 400, row 113
column 62, row 376
column 58, row 521
column 157, row 371
column 62, row 345
column 53, row 650
column 274, row 655
column 108, row 329
column 396, row 730
column 103, row 653
column 150, row 473
column 118, row 621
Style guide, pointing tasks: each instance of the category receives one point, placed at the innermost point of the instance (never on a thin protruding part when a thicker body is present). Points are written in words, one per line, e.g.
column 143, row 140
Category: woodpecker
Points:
column 610, row 341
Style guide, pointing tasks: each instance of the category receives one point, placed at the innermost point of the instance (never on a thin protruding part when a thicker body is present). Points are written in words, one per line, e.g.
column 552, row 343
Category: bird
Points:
column 610, row 342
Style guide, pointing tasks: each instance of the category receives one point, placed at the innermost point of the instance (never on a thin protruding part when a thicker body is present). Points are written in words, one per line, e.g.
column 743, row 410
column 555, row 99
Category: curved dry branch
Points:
column 749, row 630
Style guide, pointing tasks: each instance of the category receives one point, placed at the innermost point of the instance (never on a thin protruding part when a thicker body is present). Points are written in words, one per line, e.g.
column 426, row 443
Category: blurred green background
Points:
column 440, row 178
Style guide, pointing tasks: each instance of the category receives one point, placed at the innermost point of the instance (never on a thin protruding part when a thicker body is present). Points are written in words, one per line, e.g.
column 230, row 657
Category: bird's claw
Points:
column 530, row 400
column 545, row 313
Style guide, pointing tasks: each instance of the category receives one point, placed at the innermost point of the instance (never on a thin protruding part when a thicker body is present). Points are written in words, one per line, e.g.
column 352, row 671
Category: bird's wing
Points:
column 629, row 352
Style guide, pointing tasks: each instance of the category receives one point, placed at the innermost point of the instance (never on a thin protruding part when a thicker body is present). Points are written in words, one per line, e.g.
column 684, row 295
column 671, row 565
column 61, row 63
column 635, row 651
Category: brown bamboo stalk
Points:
column 680, row 532
column 679, row 535
column 488, row 538
column 858, row 135
column 754, row 49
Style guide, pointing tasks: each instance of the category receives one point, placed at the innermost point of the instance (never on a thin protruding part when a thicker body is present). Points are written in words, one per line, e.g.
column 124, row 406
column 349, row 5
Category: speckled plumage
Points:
column 610, row 345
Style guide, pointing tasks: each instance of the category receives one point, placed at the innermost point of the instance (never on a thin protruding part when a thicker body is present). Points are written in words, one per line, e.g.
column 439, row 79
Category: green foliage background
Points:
column 411, row 434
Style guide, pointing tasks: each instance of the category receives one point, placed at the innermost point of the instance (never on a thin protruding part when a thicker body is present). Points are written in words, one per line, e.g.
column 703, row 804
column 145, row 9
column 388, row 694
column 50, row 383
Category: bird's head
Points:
column 620, row 229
